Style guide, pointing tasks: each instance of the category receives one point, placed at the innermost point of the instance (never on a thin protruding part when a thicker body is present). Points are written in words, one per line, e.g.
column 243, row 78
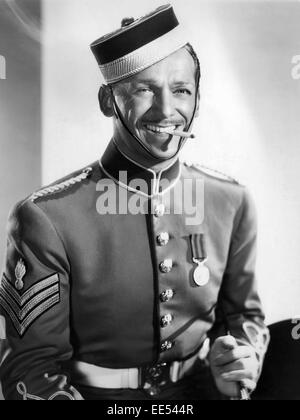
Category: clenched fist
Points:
column 232, row 365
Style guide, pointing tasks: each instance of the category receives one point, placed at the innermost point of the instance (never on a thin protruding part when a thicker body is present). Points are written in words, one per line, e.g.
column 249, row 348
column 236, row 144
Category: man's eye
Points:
column 183, row 91
column 143, row 90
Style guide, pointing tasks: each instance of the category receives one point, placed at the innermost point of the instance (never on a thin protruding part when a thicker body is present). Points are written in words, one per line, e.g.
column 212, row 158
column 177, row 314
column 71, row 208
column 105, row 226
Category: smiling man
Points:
column 147, row 303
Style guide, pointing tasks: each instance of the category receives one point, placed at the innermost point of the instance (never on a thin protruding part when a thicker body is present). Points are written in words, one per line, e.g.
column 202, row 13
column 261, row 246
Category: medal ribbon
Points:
column 198, row 247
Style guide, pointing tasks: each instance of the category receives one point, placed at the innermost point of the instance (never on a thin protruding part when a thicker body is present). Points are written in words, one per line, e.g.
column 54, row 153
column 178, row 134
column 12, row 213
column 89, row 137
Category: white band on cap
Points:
column 144, row 57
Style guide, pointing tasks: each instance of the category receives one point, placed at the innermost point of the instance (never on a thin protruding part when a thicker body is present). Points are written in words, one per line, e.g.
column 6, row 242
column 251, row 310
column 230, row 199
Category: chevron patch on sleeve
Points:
column 23, row 309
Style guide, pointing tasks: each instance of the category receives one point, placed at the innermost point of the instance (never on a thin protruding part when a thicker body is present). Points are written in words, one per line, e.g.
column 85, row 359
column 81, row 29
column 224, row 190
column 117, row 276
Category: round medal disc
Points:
column 201, row 275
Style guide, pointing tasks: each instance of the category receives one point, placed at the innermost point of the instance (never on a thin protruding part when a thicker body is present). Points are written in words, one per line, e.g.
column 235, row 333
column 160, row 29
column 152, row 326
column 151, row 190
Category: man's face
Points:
column 162, row 96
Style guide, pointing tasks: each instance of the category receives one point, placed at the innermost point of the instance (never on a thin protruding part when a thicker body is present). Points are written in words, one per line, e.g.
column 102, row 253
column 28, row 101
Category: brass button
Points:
column 166, row 266
column 156, row 371
column 159, row 210
column 167, row 345
column 166, row 320
column 163, row 238
column 167, row 295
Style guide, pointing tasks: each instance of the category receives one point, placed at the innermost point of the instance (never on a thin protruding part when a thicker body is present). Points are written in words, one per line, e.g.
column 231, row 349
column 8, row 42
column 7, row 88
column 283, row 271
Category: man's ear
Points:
column 106, row 101
column 198, row 105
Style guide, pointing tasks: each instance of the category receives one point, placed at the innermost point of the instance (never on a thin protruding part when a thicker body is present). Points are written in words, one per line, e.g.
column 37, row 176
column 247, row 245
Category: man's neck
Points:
column 146, row 162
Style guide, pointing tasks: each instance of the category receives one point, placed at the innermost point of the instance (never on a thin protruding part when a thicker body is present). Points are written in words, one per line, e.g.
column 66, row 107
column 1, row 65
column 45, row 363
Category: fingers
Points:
column 238, row 365
column 247, row 365
column 243, row 376
column 242, row 352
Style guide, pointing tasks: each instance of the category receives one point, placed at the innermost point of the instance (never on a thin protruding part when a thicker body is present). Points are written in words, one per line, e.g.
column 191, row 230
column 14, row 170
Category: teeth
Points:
column 158, row 129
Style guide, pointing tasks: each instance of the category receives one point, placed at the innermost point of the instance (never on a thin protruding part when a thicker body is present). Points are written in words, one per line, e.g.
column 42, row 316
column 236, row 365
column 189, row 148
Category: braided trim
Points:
column 22, row 390
column 210, row 171
column 54, row 189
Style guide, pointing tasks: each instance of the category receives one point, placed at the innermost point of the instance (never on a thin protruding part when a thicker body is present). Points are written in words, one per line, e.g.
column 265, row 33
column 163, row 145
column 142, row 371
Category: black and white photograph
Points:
column 149, row 202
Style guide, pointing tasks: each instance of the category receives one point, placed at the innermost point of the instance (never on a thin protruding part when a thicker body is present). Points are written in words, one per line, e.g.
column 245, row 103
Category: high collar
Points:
column 127, row 173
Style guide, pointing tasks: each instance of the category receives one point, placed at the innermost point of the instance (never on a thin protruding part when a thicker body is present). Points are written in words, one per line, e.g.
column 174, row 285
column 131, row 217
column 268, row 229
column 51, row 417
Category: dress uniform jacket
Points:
column 118, row 290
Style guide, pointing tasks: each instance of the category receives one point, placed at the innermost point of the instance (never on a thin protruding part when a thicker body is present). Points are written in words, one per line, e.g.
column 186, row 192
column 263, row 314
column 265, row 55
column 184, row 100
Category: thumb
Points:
column 224, row 344
column 229, row 343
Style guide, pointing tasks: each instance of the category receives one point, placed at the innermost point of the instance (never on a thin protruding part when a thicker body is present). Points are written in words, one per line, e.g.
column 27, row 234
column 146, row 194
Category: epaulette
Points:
column 62, row 186
column 212, row 172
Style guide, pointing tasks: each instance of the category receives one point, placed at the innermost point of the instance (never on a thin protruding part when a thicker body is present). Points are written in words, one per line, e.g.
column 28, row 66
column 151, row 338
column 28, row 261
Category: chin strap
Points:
column 119, row 116
column 182, row 140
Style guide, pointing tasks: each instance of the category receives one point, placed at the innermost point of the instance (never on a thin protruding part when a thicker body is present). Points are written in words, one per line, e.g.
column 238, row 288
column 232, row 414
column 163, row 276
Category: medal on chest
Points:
column 201, row 274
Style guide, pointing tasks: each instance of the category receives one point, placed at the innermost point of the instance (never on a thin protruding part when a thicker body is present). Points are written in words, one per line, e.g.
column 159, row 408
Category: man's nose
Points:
column 164, row 105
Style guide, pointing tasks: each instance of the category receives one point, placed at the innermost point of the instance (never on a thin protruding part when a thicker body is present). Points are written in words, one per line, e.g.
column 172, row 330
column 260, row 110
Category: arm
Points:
column 34, row 300
column 239, row 310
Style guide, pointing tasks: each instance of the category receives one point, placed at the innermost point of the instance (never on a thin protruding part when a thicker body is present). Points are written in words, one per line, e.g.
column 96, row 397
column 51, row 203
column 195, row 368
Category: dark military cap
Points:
column 138, row 44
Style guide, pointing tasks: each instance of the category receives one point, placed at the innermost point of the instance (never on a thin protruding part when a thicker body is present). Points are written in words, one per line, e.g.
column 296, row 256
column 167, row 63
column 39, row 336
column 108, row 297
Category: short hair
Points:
column 191, row 50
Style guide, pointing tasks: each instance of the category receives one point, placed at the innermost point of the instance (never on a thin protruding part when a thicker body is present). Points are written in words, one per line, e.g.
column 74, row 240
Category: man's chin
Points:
column 163, row 151
column 162, row 154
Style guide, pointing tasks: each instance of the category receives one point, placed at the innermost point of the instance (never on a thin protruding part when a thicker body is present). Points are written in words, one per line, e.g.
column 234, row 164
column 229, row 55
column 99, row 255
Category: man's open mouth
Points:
column 161, row 129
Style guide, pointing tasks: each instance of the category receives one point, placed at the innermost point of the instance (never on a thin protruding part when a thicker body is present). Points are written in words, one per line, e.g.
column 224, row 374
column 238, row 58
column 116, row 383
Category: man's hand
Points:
column 232, row 364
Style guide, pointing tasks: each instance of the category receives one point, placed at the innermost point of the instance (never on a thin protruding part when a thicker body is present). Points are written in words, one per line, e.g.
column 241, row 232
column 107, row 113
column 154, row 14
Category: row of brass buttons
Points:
column 165, row 267
column 166, row 295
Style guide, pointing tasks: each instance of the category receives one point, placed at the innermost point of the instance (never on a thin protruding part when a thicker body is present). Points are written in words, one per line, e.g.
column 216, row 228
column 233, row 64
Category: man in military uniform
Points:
column 112, row 287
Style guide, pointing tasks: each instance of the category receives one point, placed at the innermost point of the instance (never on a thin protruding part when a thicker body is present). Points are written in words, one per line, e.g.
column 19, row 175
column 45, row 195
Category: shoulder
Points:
column 221, row 190
column 31, row 211
column 209, row 173
column 216, row 182
column 66, row 185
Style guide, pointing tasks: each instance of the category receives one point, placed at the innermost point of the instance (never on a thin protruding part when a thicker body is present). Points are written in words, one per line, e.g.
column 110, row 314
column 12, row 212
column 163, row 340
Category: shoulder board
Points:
column 212, row 172
column 62, row 186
